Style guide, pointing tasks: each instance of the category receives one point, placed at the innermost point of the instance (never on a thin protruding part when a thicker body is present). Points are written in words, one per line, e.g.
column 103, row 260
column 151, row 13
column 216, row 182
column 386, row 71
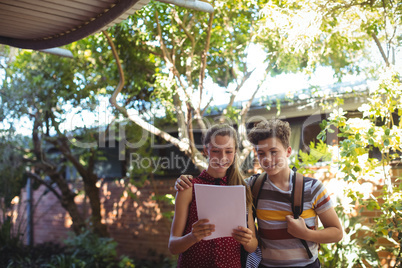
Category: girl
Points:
column 220, row 146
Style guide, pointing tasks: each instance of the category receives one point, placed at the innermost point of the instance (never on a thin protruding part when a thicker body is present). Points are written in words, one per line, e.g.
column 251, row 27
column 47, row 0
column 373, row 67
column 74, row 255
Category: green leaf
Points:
column 390, row 234
column 386, row 142
column 357, row 168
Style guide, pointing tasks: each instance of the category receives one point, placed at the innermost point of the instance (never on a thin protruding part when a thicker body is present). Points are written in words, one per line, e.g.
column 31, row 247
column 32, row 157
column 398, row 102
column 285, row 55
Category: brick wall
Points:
column 134, row 220
column 138, row 224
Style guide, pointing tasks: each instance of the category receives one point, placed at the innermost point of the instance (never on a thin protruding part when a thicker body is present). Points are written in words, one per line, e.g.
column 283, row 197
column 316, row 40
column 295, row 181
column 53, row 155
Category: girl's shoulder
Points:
column 202, row 180
column 198, row 180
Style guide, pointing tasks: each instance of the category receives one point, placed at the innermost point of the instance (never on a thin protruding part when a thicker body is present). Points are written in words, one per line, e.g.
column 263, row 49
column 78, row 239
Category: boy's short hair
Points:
column 270, row 129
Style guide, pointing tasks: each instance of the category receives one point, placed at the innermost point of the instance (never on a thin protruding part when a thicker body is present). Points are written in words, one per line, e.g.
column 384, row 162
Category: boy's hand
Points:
column 184, row 182
column 297, row 227
column 242, row 235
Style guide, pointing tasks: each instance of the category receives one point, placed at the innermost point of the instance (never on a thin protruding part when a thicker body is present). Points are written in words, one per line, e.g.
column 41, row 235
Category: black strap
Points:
column 258, row 180
column 298, row 209
column 297, row 196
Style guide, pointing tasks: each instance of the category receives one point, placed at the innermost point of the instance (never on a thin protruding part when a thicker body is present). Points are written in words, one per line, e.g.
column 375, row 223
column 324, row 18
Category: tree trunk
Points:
column 92, row 192
column 67, row 196
column 68, row 203
column 90, row 179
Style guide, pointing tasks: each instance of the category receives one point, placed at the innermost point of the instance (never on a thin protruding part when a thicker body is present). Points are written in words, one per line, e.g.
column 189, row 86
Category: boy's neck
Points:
column 281, row 179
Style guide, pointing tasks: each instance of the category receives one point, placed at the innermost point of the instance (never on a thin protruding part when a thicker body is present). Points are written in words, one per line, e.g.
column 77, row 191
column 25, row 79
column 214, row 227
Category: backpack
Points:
column 297, row 197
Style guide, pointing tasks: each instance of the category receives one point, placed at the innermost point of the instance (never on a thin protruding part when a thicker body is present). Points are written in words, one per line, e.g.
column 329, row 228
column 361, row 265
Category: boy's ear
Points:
column 205, row 152
column 288, row 151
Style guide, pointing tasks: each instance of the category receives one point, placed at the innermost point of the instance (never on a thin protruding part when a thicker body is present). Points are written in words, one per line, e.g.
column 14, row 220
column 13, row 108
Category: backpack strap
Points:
column 297, row 195
column 298, row 202
column 256, row 187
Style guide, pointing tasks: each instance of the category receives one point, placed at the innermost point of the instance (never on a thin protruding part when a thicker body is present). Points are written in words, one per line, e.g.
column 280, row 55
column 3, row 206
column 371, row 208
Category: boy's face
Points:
column 272, row 155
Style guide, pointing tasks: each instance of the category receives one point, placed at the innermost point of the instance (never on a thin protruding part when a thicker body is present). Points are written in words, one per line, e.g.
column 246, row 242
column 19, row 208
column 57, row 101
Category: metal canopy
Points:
column 43, row 24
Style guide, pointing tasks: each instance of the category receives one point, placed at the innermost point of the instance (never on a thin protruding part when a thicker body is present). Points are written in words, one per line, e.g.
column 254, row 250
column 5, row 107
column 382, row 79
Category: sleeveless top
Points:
column 223, row 252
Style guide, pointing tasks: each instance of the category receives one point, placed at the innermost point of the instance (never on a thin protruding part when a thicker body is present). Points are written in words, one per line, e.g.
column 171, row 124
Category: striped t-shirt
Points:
column 279, row 248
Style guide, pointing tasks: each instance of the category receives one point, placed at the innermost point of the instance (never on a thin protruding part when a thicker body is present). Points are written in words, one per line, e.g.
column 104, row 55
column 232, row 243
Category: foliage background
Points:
column 157, row 69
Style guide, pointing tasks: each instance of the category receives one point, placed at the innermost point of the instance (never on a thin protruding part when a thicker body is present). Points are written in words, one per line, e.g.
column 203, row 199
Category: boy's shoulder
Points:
column 306, row 178
column 313, row 185
column 252, row 178
column 310, row 180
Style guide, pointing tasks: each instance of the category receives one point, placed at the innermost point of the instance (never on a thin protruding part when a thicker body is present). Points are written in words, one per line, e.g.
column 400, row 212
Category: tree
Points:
column 341, row 34
column 369, row 34
column 12, row 177
column 37, row 86
column 189, row 48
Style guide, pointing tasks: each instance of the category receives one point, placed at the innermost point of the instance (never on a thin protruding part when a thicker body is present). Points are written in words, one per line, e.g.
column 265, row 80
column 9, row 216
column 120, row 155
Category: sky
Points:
column 283, row 83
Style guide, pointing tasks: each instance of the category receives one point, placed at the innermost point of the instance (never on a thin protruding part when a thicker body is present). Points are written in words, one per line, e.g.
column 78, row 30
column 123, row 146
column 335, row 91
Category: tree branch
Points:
column 186, row 31
column 204, row 57
column 380, row 48
column 242, row 129
column 233, row 96
column 40, row 181
column 183, row 146
column 169, row 60
column 206, row 106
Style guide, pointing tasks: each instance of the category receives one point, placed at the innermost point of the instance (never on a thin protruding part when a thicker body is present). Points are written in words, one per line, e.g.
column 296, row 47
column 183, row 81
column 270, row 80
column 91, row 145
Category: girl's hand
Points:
column 297, row 227
column 201, row 229
column 242, row 235
column 184, row 182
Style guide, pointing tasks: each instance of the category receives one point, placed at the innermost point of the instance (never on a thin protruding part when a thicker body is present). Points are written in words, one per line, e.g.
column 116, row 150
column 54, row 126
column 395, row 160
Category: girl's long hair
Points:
column 234, row 173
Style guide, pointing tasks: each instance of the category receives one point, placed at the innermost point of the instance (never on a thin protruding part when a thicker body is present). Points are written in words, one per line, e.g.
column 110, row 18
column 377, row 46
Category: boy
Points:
column 280, row 233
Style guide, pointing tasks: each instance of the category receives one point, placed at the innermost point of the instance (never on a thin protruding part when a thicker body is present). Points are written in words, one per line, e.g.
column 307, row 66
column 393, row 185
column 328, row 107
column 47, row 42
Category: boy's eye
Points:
column 274, row 153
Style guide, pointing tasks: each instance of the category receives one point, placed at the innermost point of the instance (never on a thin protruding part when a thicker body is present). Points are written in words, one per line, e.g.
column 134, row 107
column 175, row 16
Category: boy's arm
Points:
column 331, row 233
column 183, row 182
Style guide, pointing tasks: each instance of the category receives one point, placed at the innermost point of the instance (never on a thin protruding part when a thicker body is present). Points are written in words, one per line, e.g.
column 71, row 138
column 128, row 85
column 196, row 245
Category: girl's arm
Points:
column 331, row 233
column 246, row 236
column 177, row 242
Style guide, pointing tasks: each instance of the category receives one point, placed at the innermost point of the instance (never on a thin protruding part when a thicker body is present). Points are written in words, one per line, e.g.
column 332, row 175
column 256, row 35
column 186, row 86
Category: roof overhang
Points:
column 42, row 24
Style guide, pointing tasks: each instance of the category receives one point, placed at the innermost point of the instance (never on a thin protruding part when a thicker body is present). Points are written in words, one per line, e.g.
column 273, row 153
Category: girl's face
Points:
column 272, row 155
column 221, row 152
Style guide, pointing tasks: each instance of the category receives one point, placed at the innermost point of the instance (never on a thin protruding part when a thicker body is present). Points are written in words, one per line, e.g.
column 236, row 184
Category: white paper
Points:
column 224, row 206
